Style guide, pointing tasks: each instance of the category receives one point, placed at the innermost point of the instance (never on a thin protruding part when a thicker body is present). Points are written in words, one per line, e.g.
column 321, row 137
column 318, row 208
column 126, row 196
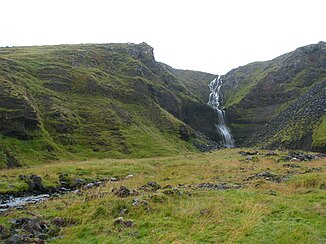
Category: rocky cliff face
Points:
column 18, row 117
column 294, row 126
column 265, row 98
column 113, row 100
column 79, row 101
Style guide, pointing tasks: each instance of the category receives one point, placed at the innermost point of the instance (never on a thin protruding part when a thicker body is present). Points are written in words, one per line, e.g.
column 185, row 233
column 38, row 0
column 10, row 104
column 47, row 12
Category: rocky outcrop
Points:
column 293, row 127
column 97, row 99
column 259, row 93
column 18, row 117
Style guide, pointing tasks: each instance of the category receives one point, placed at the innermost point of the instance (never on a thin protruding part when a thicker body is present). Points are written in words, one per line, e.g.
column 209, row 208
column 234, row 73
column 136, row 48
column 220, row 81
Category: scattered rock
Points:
column 121, row 192
column 58, row 221
column 158, row 198
column 30, row 230
column 137, row 202
column 251, row 158
column 271, row 153
column 12, row 161
column 27, row 230
column 173, row 191
column 128, row 223
column 154, row 185
column 291, row 165
column 89, row 185
column 113, row 179
column 150, row 186
column 62, row 222
column 79, row 181
column 64, row 180
column 184, row 132
column 222, row 186
column 23, row 177
column 34, row 183
column 244, row 153
column 129, row 176
column 204, row 144
column 3, row 231
column 167, row 187
column 310, row 170
column 123, row 211
column 98, row 183
column 268, row 176
column 121, row 221
column 205, row 211
column 297, row 156
column 23, row 238
column 37, row 181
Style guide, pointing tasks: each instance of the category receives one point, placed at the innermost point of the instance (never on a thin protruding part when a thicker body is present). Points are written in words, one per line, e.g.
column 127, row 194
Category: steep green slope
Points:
column 319, row 134
column 257, row 93
column 297, row 126
column 100, row 100
column 195, row 81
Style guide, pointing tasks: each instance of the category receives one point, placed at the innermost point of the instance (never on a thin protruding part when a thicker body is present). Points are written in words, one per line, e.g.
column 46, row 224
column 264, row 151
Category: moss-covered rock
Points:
column 99, row 100
column 263, row 99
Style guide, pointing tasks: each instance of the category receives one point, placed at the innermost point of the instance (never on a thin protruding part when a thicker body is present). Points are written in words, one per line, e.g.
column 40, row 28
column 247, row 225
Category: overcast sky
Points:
column 206, row 35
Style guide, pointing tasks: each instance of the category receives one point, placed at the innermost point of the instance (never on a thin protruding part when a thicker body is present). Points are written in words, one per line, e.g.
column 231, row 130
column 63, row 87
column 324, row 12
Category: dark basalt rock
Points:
column 121, row 221
column 277, row 103
column 121, row 192
column 268, row 176
column 184, row 133
column 297, row 156
column 243, row 153
column 222, row 186
column 27, row 230
column 204, row 144
column 150, row 186
column 18, row 117
column 12, row 161
column 63, row 222
column 308, row 108
column 291, row 165
column 35, row 184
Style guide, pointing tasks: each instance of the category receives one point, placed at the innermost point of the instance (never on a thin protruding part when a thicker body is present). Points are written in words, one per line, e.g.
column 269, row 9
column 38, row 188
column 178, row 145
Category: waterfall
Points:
column 214, row 100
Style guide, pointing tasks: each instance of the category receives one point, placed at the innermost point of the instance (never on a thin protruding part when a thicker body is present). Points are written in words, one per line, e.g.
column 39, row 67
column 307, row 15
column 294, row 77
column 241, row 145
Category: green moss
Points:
column 3, row 159
column 319, row 134
column 247, row 83
column 88, row 102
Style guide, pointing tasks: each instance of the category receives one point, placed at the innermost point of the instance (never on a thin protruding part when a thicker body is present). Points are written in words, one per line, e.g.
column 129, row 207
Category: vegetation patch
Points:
column 204, row 197
column 319, row 134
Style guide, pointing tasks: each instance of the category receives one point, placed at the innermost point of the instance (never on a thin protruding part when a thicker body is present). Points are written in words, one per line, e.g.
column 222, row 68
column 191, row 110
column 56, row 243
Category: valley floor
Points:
column 218, row 197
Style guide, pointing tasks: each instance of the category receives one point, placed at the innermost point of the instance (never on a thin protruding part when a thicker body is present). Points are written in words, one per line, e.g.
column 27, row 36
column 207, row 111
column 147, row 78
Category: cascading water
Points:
column 214, row 102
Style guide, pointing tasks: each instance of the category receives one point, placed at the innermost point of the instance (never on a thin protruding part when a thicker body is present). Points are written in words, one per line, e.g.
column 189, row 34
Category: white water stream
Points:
column 214, row 101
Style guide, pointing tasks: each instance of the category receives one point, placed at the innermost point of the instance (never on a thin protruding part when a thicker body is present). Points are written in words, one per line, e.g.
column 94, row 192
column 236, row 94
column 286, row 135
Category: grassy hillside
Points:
column 99, row 100
column 194, row 198
column 257, row 93
column 319, row 134
column 195, row 81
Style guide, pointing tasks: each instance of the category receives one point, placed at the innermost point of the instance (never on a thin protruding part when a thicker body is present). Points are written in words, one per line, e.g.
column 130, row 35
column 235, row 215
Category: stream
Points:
column 214, row 101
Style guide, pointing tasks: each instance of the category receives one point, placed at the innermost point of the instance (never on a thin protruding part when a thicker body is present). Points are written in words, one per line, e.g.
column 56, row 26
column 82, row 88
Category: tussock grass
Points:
column 261, row 211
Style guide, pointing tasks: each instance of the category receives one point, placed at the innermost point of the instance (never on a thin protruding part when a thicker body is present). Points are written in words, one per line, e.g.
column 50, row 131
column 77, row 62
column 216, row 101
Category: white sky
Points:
column 206, row 35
